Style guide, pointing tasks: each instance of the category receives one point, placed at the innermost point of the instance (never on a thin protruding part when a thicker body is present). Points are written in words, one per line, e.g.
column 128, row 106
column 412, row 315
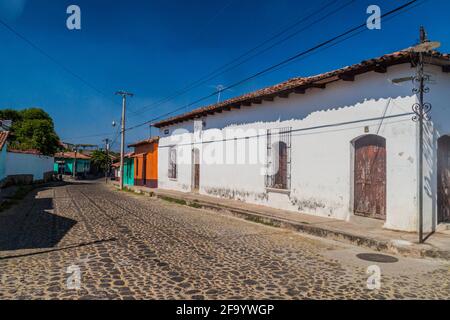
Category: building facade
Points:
column 338, row 145
column 66, row 161
column 146, row 163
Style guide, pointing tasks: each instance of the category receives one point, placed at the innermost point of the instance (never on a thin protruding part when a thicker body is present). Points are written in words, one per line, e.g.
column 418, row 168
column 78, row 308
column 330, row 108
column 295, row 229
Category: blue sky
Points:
column 155, row 48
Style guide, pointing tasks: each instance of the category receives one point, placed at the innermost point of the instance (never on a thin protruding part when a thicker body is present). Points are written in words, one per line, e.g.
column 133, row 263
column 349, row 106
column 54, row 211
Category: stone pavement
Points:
column 128, row 246
column 359, row 231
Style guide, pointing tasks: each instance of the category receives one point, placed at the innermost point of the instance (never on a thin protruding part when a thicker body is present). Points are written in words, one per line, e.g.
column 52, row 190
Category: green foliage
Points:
column 100, row 160
column 32, row 129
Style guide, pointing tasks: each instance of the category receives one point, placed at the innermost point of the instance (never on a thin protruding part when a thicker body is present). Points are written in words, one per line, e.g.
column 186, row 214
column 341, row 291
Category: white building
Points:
column 29, row 163
column 335, row 145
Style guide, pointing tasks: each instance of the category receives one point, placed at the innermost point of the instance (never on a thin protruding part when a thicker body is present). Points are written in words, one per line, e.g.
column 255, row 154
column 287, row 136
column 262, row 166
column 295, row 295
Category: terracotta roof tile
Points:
column 146, row 141
column 127, row 156
column 3, row 138
column 31, row 151
column 71, row 155
column 116, row 165
column 299, row 85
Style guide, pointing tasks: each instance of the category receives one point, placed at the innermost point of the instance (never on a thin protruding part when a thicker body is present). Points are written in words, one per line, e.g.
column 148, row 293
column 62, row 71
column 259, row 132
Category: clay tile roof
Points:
column 129, row 155
column 116, row 165
column 299, row 85
column 31, row 151
column 3, row 138
column 143, row 142
column 71, row 155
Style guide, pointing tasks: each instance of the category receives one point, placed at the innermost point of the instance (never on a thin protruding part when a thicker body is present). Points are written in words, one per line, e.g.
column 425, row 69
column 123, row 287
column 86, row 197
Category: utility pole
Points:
column 74, row 169
column 422, row 110
column 107, row 160
column 122, row 142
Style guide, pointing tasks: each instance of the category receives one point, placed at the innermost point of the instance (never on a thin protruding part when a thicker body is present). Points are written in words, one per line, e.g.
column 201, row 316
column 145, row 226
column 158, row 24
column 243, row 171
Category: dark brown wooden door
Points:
column 444, row 180
column 196, row 169
column 370, row 177
column 281, row 175
column 144, row 170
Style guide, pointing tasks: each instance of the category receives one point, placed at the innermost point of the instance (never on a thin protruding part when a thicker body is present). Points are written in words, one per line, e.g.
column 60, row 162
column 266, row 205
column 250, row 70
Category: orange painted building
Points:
column 146, row 163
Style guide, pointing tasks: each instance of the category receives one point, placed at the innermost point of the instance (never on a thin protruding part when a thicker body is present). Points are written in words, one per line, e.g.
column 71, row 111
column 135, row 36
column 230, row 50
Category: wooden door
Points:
column 444, row 180
column 196, row 169
column 281, row 175
column 370, row 177
column 144, row 169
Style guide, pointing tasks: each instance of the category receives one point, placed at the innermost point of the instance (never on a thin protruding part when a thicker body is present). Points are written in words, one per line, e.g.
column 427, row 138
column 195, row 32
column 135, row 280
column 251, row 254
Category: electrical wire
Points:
column 48, row 56
column 231, row 64
column 330, row 42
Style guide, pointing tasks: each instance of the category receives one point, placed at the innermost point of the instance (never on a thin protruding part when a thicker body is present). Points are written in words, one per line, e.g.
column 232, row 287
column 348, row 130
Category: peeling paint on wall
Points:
column 235, row 194
column 307, row 204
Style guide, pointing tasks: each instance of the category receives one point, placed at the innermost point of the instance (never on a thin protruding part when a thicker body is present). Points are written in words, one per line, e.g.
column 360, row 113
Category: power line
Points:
column 229, row 65
column 353, row 35
column 108, row 134
column 330, row 42
column 41, row 51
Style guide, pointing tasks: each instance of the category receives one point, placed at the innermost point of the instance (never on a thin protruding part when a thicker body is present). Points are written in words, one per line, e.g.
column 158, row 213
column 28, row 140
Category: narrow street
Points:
column 133, row 247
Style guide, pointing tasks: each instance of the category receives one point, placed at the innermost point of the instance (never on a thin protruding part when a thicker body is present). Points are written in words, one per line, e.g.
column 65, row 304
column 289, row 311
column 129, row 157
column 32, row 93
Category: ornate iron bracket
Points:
column 421, row 111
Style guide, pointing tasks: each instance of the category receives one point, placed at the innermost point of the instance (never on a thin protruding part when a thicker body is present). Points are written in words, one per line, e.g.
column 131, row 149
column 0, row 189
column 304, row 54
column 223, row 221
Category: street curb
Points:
column 318, row 231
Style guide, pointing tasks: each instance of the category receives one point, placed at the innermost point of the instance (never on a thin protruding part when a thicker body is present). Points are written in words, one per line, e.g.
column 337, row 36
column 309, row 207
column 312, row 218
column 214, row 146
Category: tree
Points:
column 100, row 160
column 32, row 129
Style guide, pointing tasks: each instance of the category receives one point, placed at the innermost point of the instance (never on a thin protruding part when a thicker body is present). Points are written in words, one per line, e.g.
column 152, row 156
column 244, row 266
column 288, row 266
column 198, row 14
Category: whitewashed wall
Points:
column 439, row 126
column 324, row 124
column 29, row 164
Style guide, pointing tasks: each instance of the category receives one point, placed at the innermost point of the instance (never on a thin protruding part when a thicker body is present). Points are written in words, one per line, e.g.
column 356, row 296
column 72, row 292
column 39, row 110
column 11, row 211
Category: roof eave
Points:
column 300, row 85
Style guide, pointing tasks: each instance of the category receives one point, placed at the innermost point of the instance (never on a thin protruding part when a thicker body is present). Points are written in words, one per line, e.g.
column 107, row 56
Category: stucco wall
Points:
column 3, row 163
column 324, row 124
column 28, row 164
column 439, row 126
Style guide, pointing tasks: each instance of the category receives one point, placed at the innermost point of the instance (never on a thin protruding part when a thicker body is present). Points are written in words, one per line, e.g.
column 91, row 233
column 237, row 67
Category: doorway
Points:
column 370, row 177
column 144, row 170
column 444, row 180
column 195, row 170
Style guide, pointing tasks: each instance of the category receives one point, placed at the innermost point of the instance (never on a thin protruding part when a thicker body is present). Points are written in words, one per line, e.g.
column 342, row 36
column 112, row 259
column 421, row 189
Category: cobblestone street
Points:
column 134, row 247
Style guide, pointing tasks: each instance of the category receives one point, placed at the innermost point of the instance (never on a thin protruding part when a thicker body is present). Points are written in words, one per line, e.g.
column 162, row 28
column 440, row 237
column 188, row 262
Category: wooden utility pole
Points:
column 74, row 168
column 107, row 169
column 122, row 142
column 422, row 110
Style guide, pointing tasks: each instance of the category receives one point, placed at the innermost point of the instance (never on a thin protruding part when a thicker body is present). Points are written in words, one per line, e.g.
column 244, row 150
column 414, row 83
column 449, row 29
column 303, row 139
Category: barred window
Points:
column 279, row 159
column 172, row 163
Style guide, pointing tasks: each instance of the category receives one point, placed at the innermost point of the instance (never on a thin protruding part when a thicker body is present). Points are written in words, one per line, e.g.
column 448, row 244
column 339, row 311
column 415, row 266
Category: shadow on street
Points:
column 32, row 224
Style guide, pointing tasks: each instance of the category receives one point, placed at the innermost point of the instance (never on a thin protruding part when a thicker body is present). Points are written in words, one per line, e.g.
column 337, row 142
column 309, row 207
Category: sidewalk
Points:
column 363, row 232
